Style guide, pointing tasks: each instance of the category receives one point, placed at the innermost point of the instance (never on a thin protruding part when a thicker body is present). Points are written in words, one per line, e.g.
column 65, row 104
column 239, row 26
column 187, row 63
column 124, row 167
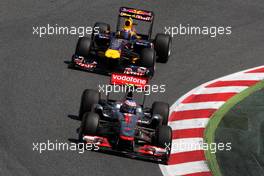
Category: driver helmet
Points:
column 127, row 29
column 128, row 25
column 129, row 106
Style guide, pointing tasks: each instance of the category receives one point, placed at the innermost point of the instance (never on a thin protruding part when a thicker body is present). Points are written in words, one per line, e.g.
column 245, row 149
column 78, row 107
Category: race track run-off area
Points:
column 190, row 115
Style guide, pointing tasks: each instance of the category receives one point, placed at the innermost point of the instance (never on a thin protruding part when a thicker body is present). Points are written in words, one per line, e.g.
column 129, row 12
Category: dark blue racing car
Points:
column 125, row 50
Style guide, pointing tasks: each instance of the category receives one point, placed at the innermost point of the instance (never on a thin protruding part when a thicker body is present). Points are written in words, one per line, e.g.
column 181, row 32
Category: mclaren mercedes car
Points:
column 126, row 126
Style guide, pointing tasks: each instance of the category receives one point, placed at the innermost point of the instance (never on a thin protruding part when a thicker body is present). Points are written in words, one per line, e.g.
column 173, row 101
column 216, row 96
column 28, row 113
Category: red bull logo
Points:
column 135, row 11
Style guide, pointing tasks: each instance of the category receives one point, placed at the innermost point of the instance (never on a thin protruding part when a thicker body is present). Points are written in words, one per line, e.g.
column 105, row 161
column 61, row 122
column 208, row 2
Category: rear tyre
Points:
column 163, row 47
column 89, row 98
column 162, row 109
column 83, row 47
column 100, row 27
column 89, row 125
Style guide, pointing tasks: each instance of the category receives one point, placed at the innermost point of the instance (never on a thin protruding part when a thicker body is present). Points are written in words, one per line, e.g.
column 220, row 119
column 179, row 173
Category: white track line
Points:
column 199, row 105
column 227, row 89
column 186, row 145
column 245, row 76
column 185, row 168
column 189, row 123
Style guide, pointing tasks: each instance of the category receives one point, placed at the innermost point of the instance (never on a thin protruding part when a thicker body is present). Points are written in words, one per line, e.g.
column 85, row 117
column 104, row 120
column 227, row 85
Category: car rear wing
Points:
column 138, row 14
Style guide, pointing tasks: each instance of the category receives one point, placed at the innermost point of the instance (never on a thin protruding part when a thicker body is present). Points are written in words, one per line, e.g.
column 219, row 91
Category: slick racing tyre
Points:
column 89, row 98
column 89, row 124
column 163, row 137
column 161, row 109
column 83, row 47
column 163, row 47
column 148, row 58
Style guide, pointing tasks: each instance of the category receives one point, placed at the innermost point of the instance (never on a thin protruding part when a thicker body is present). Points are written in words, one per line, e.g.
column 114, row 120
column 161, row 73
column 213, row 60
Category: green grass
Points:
column 215, row 120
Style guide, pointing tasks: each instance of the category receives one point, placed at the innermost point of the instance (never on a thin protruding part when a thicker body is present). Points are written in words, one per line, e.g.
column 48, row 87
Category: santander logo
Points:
column 122, row 79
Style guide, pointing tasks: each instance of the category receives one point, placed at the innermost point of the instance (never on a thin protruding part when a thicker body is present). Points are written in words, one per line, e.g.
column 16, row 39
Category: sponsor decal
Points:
column 139, row 17
column 85, row 65
column 135, row 11
column 140, row 71
column 123, row 79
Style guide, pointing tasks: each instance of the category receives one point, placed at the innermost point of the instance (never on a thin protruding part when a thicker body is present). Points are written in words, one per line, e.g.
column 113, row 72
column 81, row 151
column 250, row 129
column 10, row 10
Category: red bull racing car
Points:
column 125, row 50
column 125, row 126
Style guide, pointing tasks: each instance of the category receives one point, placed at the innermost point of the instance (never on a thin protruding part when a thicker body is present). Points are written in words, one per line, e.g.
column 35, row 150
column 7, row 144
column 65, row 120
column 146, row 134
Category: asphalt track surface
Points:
column 38, row 92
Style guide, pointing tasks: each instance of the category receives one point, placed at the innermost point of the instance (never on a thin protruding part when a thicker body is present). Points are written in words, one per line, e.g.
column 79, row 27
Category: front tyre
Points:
column 89, row 125
column 148, row 59
column 164, row 139
column 162, row 46
column 163, row 136
column 83, row 47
